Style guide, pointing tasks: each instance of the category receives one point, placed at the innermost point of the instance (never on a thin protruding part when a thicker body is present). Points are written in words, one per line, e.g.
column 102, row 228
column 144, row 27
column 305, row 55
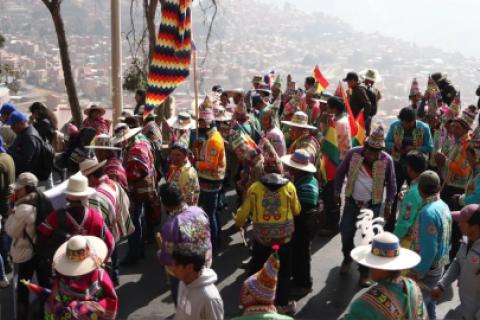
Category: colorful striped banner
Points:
column 171, row 60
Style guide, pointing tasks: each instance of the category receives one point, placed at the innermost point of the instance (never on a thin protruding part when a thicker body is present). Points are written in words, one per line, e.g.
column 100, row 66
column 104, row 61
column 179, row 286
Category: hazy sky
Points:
column 448, row 24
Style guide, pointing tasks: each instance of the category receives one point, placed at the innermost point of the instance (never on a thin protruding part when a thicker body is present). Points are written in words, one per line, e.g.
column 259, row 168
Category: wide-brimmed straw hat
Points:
column 92, row 107
column 300, row 120
column 124, row 134
column 103, row 142
column 300, row 160
column 80, row 255
column 385, row 253
column 183, row 121
column 77, row 186
column 89, row 166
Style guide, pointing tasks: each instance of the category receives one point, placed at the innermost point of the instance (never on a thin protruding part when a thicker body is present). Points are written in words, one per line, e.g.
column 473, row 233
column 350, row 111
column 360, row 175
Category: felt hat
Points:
column 371, row 74
column 257, row 79
column 222, row 115
column 25, row 179
column 414, row 88
column 263, row 284
column 376, row 139
column 103, row 142
column 466, row 213
column 300, row 120
column 385, row 253
column 300, row 159
column 92, row 107
column 467, row 118
column 77, row 186
column 123, row 133
column 89, row 166
column 80, row 255
column 183, row 121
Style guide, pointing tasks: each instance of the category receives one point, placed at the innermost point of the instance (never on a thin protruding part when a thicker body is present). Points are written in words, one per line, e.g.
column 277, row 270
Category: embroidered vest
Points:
column 378, row 173
column 398, row 136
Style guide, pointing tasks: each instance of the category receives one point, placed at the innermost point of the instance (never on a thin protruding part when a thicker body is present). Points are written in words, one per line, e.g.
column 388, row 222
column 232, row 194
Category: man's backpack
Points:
column 372, row 96
column 45, row 160
column 45, row 248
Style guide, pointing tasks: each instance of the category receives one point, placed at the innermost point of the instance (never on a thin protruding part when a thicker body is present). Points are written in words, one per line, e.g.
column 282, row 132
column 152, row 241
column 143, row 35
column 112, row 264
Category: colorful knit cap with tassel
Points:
column 456, row 106
column 263, row 284
column 414, row 88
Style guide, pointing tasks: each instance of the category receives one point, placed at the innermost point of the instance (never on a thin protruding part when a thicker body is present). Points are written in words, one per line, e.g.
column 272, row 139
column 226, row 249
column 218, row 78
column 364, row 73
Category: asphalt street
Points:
column 143, row 291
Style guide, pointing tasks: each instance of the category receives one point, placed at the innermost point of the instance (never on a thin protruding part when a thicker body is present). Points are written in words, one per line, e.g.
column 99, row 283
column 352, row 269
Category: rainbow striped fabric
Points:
column 170, row 64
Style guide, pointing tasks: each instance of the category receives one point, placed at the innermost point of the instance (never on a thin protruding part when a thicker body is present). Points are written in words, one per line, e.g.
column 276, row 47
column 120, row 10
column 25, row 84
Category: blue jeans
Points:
column 208, row 201
column 430, row 280
column 348, row 227
column 136, row 239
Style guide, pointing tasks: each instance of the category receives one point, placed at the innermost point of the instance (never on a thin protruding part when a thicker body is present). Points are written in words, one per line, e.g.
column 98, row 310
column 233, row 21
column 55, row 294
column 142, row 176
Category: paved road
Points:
column 143, row 291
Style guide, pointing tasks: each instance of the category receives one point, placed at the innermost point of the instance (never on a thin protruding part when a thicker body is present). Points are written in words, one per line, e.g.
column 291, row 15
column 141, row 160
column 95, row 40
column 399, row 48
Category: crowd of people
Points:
column 299, row 166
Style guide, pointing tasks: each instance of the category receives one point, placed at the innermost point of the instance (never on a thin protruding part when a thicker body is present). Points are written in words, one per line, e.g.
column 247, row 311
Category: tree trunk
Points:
column 150, row 8
column 54, row 8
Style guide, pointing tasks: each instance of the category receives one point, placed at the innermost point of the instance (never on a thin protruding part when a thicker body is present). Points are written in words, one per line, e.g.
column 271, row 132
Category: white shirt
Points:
column 362, row 190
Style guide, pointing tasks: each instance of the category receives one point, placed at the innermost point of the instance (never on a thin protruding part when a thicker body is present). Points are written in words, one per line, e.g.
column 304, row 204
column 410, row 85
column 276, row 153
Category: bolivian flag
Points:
column 330, row 152
column 170, row 64
column 320, row 81
column 357, row 125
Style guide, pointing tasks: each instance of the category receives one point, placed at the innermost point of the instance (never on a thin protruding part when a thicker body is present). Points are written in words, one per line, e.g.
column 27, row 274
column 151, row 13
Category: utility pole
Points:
column 116, row 85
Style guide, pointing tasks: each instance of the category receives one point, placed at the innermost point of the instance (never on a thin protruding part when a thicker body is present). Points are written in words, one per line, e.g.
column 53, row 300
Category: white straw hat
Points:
column 385, row 253
column 80, row 255
column 125, row 134
column 89, row 166
column 300, row 120
column 77, row 186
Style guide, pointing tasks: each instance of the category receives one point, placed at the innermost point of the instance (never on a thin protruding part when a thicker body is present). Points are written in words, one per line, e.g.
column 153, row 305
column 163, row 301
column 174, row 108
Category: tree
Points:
column 2, row 41
column 54, row 7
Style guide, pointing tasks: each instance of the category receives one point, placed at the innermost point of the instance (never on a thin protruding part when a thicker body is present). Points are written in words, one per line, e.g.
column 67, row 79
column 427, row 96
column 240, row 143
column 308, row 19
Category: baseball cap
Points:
column 7, row 108
column 466, row 213
column 16, row 117
column 351, row 76
column 25, row 179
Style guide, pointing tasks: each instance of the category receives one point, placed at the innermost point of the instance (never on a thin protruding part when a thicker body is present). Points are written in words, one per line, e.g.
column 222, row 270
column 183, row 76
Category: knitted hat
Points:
column 432, row 87
column 376, row 139
column 467, row 118
column 414, row 88
column 456, row 105
column 263, row 284
column 277, row 83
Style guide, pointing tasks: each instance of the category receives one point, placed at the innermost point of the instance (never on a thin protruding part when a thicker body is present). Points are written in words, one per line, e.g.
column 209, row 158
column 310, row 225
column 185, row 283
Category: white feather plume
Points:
column 368, row 226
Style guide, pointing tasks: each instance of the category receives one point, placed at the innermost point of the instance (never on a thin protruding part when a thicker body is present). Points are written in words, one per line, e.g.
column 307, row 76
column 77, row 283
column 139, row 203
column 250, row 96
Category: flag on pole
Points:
column 357, row 125
column 35, row 288
column 361, row 135
column 330, row 152
column 170, row 64
column 340, row 92
column 320, row 80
